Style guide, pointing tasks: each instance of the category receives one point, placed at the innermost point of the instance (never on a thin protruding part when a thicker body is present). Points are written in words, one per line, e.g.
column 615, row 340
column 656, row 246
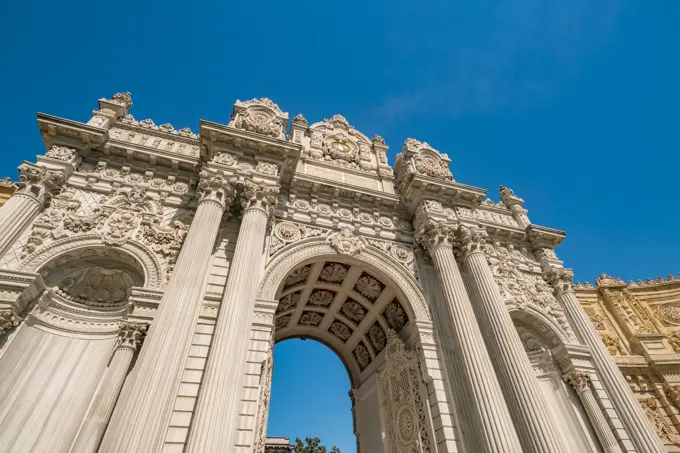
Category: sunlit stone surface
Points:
column 146, row 272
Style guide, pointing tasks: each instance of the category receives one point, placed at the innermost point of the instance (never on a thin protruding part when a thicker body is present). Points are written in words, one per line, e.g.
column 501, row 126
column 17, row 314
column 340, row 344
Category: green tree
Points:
column 312, row 445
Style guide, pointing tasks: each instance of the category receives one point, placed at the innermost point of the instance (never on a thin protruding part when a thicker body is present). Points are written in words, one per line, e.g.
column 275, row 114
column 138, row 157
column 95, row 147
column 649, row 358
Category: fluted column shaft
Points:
column 99, row 412
column 581, row 383
column 15, row 216
column 517, row 379
column 466, row 359
column 214, row 426
column 635, row 421
column 141, row 418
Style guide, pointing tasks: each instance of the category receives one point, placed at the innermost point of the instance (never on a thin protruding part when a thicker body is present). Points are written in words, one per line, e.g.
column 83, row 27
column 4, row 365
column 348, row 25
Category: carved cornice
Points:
column 64, row 132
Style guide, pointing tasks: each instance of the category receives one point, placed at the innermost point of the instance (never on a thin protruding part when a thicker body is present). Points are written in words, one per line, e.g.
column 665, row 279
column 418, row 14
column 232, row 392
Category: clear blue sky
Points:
column 572, row 104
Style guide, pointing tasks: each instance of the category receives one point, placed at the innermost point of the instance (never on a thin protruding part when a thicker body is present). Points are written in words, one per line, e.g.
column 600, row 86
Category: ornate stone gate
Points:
column 147, row 271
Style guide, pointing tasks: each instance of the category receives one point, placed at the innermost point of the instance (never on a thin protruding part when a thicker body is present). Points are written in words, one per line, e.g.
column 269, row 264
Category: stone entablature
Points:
column 639, row 322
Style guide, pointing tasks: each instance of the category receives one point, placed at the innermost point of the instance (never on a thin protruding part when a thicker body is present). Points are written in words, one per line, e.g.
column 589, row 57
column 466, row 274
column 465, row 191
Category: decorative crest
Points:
column 339, row 119
column 419, row 158
column 261, row 116
column 345, row 242
column 607, row 280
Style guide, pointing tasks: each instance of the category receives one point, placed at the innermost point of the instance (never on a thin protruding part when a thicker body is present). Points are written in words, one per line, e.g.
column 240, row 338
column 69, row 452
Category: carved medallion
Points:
column 321, row 298
column 368, row 287
column 353, row 311
column 333, row 273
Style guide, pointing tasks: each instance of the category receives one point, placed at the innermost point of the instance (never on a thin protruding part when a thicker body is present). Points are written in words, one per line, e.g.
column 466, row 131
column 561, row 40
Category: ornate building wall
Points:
column 146, row 273
column 5, row 190
column 640, row 324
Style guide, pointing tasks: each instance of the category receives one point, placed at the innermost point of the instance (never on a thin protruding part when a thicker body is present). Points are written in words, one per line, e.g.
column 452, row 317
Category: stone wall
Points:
column 639, row 322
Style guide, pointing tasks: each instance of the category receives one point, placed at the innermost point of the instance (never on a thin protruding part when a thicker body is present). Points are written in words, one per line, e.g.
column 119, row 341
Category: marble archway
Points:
column 366, row 314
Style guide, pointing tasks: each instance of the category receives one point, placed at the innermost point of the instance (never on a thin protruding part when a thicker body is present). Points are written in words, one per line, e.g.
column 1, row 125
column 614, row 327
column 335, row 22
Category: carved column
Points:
column 34, row 188
column 517, row 378
column 634, row 420
column 467, row 361
column 141, row 418
column 581, row 383
column 214, row 426
column 130, row 338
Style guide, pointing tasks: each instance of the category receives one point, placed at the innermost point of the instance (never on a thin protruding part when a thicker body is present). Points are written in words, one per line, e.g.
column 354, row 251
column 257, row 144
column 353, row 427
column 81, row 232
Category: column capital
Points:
column 8, row 320
column 560, row 279
column 216, row 188
column 579, row 380
column 258, row 195
column 131, row 335
column 433, row 234
column 38, row 182
column 470, row 240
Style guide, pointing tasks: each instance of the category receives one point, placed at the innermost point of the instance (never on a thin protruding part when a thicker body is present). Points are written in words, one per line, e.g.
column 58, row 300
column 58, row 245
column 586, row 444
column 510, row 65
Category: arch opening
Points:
column 310, row 395
column 344, row 304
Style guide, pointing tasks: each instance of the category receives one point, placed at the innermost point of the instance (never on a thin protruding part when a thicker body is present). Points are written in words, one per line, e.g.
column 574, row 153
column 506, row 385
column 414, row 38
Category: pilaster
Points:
column 580, row 381
column 130, row 338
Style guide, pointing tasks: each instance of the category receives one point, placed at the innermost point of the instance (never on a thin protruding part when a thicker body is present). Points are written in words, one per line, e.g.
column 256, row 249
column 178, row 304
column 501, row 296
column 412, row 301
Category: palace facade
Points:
column 146, row 273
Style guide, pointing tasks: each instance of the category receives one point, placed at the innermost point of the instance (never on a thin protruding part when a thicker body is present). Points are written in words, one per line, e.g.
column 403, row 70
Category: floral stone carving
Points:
column 345, row 242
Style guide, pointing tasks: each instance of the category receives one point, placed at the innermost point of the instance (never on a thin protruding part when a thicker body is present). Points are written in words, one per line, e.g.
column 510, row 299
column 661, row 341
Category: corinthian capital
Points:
column 260, row 196
column 215, row 188
column 470, row 239
column 560, row 279
column 38, row 182
column 432, row 234
column 579, row 380
column 131, row 335
column 8, row 320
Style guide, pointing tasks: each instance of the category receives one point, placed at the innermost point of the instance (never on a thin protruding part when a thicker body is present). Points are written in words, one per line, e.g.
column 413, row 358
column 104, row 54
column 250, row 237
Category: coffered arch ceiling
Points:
column 344, row 305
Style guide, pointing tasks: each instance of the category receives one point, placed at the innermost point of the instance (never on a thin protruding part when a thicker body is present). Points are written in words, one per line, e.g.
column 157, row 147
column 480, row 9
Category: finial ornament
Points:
column 124, row 99
column 509, row 198
column 607, row 280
